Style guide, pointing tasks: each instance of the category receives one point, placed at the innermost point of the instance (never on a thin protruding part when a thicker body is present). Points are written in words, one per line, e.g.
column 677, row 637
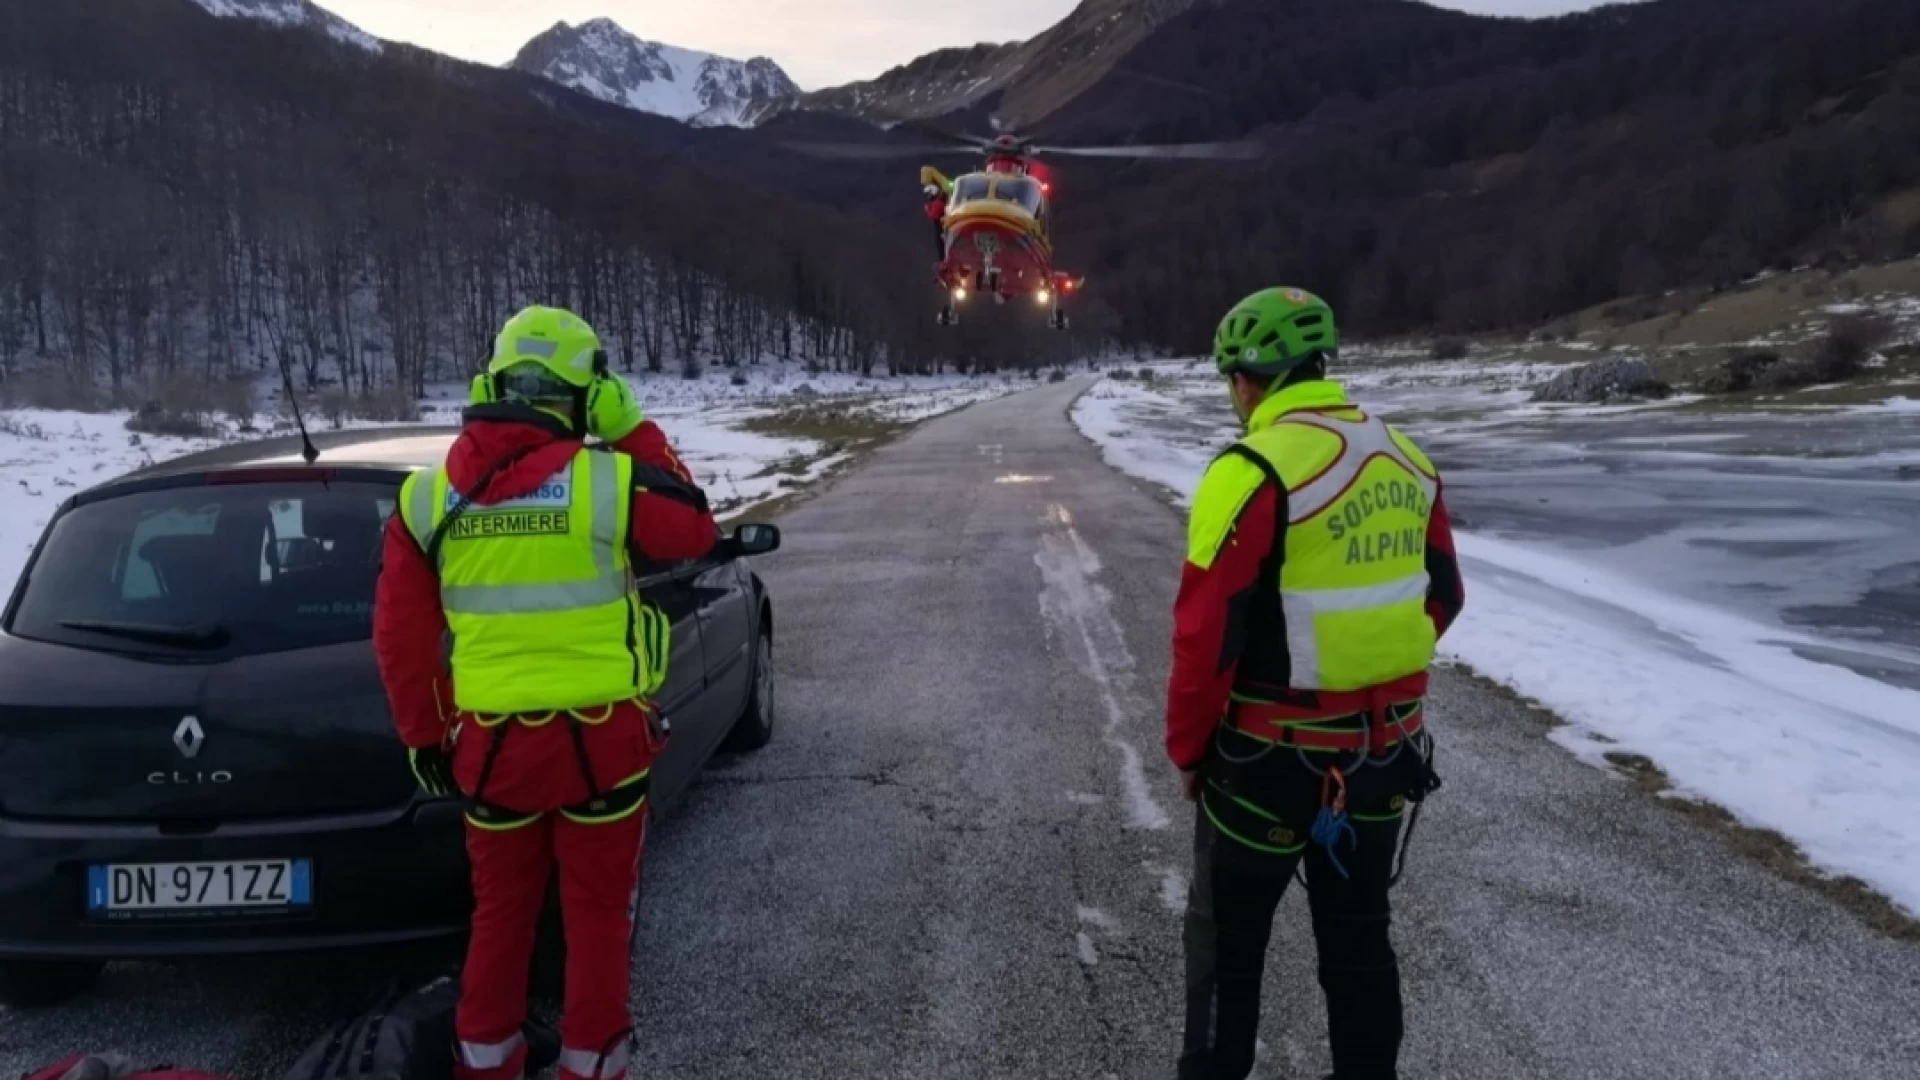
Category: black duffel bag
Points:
column 406, row 1036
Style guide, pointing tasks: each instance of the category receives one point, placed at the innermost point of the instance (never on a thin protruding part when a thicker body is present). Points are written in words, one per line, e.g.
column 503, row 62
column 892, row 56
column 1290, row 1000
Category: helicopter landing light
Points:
column 1042, row 296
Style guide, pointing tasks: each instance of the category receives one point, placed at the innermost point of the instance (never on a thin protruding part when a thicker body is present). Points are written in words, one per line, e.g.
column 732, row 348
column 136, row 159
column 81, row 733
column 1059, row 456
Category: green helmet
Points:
column 1274, row 331
column 548, row 344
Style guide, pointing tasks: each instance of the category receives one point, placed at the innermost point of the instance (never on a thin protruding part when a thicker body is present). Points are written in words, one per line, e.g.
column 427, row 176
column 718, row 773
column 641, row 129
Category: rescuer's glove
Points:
column 434, row 770
column 612, row 411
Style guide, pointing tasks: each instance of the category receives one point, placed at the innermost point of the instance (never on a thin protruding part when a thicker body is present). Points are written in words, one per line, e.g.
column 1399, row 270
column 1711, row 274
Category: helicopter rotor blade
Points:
column 870, row 151
column 935, row 131
column 1216, row 151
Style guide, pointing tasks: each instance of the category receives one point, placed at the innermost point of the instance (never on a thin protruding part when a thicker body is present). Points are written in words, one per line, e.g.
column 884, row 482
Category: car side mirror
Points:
column 750, row 540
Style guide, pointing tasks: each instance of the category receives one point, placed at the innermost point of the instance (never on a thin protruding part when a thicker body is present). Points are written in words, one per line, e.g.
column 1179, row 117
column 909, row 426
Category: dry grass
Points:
column 384, row 404
column 180, row 393
column 1900, row 376
column 1773, row 306
column 771, row 509
column 51, row 389
column 1771, row 850
column 841, row 423
column 840, row 426
column 22, row 429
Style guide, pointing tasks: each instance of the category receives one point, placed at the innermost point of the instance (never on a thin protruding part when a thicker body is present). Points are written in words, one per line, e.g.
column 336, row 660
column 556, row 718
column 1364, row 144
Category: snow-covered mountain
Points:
column 600, row 59
column 294, row 13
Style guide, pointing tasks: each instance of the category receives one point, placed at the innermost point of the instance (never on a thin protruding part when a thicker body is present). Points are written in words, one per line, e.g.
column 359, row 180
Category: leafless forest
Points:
column 189, row 202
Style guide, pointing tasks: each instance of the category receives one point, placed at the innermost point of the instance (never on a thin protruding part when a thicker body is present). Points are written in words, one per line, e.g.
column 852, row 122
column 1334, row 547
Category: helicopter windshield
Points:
column 968, row 188
column 1020, row 190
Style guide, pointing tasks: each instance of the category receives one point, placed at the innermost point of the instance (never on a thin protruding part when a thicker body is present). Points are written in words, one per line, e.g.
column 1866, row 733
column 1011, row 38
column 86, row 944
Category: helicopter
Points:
column 995, row 224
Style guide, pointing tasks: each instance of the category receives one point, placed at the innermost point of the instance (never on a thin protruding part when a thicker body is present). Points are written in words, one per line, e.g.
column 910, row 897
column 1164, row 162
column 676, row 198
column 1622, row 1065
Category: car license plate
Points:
column 200, row 886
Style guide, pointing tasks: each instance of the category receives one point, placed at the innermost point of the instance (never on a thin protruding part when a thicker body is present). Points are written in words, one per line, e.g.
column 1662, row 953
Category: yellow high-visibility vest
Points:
column 539, row 591
column 1353, row 577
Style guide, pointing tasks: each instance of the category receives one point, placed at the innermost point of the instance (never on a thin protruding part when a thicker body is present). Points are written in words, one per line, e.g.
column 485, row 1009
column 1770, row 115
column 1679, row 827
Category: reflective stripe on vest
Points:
column 1362, row 441
column 1301, row 605
column 515, row 599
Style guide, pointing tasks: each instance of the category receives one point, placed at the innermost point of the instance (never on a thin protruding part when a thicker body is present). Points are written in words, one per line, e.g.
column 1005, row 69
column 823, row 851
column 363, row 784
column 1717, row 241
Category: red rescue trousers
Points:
column 599, row 866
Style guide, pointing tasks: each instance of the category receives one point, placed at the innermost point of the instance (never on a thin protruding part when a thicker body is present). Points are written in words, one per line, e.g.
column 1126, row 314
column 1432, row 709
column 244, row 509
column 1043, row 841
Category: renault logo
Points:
column 188, row 737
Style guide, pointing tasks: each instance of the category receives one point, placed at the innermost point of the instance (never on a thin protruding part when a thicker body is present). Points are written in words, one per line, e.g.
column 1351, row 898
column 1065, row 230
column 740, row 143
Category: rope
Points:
column 1331, row 826
column 1406, row 844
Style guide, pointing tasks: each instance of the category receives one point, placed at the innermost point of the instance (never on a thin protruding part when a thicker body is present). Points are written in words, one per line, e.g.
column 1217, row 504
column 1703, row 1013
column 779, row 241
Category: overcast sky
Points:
column 818, row 42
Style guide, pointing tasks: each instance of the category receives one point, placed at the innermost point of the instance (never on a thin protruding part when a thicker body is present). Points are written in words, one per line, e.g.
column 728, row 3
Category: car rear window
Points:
column 220, row 570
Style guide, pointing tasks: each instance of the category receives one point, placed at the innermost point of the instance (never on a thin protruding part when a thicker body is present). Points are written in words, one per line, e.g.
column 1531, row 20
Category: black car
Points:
column 196, row 755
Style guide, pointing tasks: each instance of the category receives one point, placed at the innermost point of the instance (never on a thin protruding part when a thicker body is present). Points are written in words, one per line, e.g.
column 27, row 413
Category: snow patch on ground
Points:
column 1173, row 889
column 1098, row 919
column 1084, row 948
column 1900, row 405
column 1163, row 437
column 1736, row 711
column 1079, row 612
column 705, row 418
column 1727, row 707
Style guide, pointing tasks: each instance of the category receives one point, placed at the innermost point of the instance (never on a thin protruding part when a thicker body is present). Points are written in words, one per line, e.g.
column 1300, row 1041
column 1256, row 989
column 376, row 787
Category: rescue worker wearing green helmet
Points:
column 1320, row 573
column 520, row 547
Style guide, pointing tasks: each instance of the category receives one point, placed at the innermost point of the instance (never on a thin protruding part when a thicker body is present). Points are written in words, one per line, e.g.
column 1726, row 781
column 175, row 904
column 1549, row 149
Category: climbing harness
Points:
column 1331, row 826
column 601, row 805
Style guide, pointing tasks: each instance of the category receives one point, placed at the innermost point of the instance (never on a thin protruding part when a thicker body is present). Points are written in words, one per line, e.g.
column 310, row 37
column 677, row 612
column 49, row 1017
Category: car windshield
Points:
column 1019, row 190
column 969, row 188
column 210, row 571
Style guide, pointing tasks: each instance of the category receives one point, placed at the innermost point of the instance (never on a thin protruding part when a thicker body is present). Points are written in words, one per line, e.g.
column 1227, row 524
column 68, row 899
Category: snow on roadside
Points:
column 1164, row 433
column 1731, row 708
column 47, row 455
column 738, row 468
column 1905, row 405
column 1723, row 704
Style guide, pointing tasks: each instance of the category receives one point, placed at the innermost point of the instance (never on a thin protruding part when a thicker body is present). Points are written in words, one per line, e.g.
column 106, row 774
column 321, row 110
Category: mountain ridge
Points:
column 604, row 60
column 1032, row 78
column 301, row 14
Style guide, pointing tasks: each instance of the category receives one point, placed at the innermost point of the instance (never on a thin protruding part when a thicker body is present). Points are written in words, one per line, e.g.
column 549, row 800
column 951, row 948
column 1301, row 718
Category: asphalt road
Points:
column 963, row 855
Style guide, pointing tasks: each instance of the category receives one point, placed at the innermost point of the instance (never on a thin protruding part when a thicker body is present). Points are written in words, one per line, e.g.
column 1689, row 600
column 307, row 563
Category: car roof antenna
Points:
column 308, row 452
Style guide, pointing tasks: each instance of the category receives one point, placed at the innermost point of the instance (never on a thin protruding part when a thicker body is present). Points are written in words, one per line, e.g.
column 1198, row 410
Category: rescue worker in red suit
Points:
column 936, row 188
column 521, row 547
